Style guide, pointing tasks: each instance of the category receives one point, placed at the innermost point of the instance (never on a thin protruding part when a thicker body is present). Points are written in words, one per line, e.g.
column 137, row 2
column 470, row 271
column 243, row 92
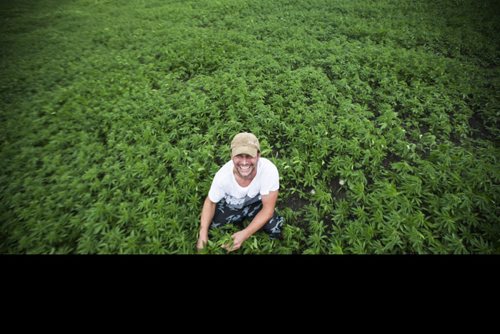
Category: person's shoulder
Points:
column 267, row 164
column 266, row 161
column 225, row 169
column 228, row 165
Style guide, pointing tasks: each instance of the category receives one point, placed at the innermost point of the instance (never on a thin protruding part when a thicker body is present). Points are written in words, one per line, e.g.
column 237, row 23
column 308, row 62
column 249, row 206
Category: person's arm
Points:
column 264, row 215
column 207, row 214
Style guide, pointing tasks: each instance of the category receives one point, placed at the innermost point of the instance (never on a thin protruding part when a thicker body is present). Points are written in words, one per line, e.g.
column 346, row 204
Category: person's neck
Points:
column 244, row 181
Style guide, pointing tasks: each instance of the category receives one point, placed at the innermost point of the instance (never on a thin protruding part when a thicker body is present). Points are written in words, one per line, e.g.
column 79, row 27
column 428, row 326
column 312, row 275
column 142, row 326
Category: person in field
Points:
column 246, row 187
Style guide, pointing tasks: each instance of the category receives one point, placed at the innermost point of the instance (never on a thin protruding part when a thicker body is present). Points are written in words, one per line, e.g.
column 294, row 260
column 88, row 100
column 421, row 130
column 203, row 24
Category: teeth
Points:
column 244, row 168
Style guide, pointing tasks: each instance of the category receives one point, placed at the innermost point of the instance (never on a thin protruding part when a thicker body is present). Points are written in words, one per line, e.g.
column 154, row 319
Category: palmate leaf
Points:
column 357, row 191
column 360, row 214
column 341, row 211
column 359, row 247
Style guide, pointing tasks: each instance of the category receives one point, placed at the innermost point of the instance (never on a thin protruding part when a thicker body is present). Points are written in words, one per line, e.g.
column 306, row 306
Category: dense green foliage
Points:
column 382, row 117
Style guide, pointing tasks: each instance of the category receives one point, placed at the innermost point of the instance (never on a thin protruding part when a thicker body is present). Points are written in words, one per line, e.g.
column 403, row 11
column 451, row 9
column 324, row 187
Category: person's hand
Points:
column 202, row 242
column 238, row 239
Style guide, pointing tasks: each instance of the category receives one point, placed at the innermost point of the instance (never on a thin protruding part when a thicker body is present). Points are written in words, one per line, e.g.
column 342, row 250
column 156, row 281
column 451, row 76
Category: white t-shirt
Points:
column 225, row 186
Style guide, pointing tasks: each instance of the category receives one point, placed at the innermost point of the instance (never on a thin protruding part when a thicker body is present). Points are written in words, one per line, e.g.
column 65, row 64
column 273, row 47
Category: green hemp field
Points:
column 381, row 116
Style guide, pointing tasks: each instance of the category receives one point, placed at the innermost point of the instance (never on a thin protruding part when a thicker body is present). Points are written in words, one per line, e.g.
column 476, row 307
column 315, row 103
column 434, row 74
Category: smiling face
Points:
column 245, row 166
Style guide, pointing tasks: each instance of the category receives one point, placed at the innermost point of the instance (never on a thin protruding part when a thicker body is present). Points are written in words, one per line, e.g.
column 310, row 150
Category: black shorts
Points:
column 224, row 214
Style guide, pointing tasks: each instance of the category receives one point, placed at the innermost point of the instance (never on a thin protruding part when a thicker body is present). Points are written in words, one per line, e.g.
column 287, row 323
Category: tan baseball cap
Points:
column 245, row 143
